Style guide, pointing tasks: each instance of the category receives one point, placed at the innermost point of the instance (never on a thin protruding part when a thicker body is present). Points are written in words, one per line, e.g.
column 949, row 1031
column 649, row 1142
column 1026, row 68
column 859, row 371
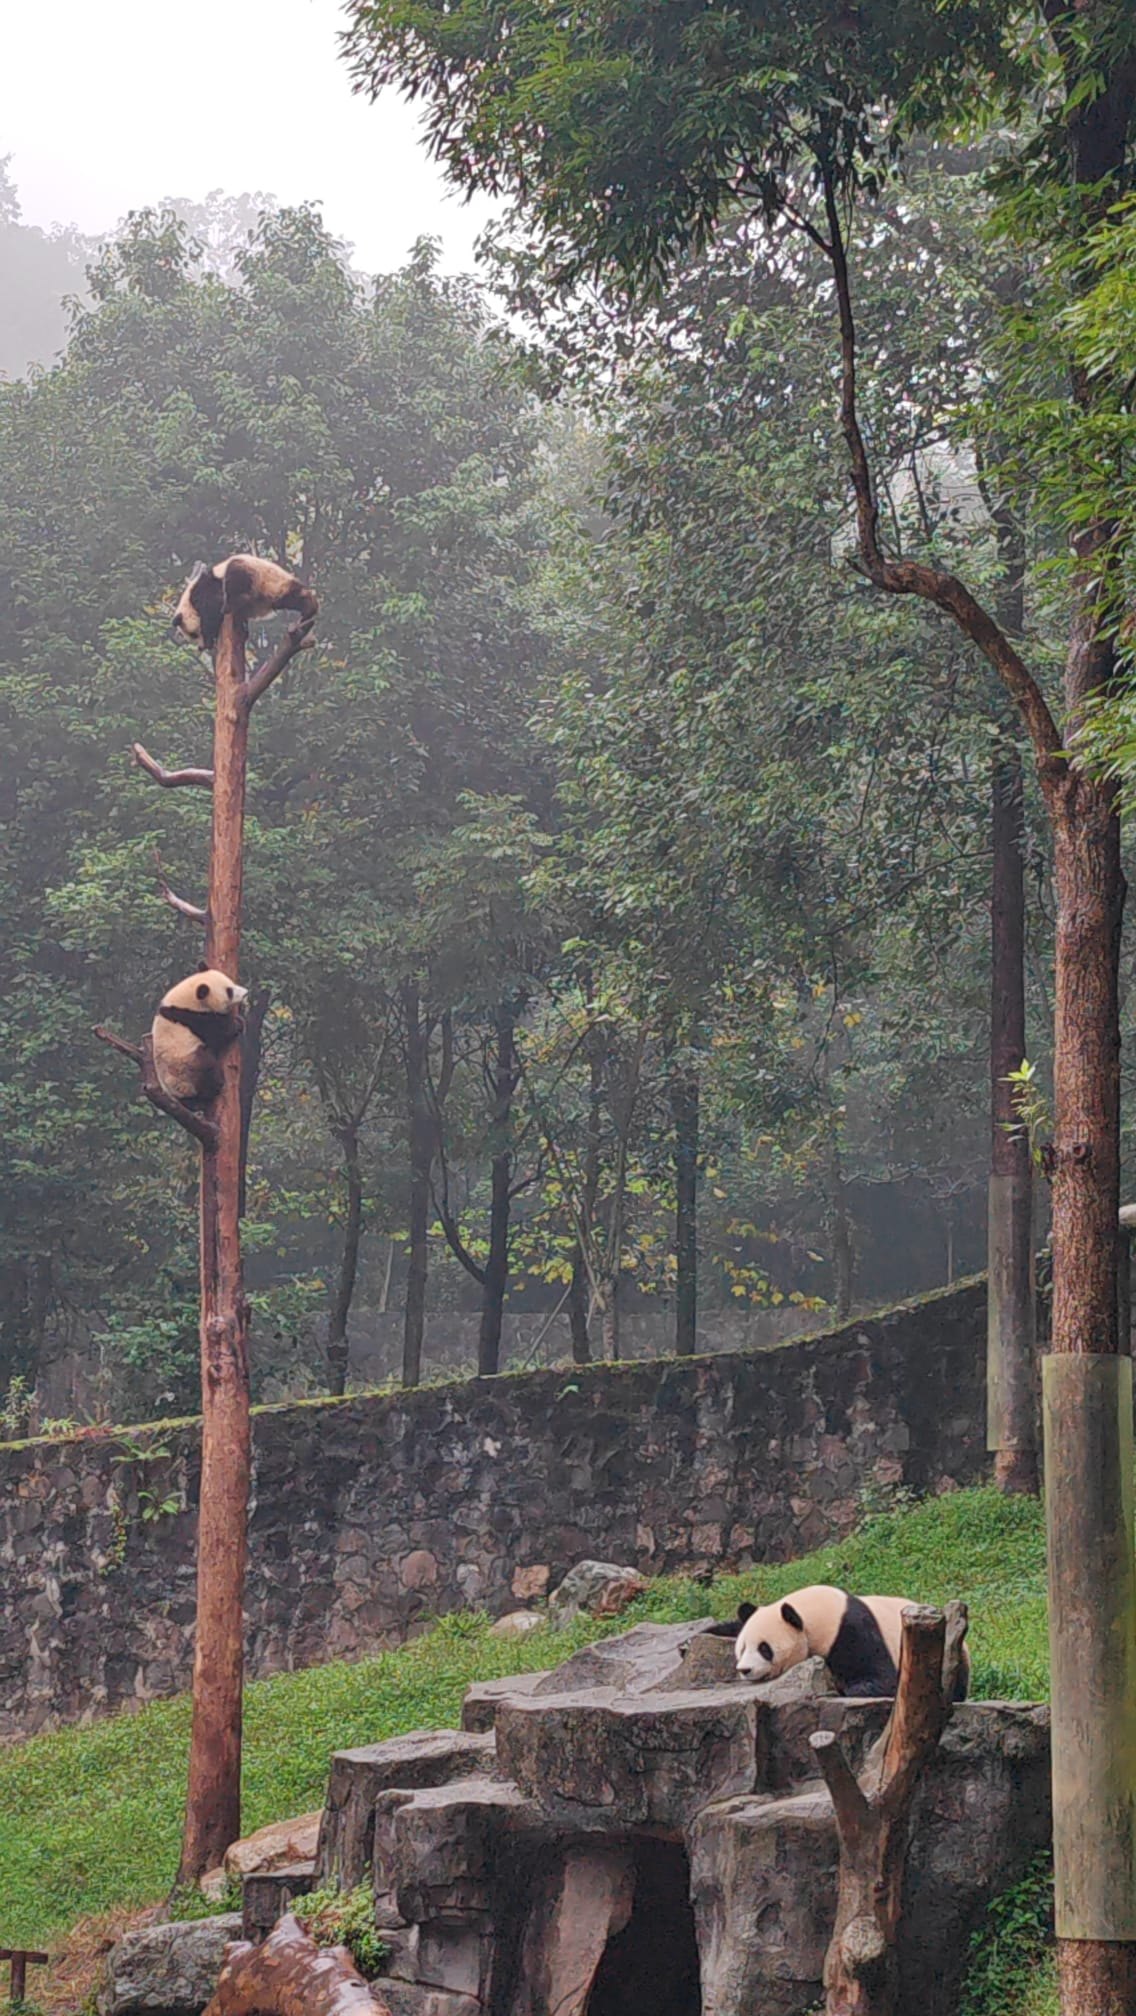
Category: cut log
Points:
column 874, row 1814
column 289, row 1975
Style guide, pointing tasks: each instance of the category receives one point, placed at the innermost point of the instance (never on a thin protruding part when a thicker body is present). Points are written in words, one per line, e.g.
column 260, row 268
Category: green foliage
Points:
column 337, row 1919
column 624, row 136
column 101, row 1807
column 1012, row 1970
column 187, row 1901
column 1032, row 1106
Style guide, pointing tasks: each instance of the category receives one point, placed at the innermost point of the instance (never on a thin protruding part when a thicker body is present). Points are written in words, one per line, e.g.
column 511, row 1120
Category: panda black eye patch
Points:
column 766, row 1651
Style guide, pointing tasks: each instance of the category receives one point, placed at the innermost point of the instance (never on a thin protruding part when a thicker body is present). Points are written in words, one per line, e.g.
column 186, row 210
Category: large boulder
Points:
column 166, row 1970
column 358, row 1777
column 275, row 1847
column 599, row 1588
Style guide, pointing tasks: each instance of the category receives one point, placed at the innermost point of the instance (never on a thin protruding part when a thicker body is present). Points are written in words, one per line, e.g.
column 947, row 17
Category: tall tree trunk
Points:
column 1010, row 1336
column 1086, row 1386
column 840, row 1234
column 420, row 1140
column 213, row 1797
column 609, row 1293
column 1088, row 1419
column 1089, row 1477
column 684, row 1091
column 348, row 1263
column 496, row 1277
column 579, row 1295
column 1011, row 1322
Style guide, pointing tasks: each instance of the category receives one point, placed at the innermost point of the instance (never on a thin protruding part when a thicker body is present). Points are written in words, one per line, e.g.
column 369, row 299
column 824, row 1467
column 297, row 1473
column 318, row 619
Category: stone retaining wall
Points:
column 374, row 1513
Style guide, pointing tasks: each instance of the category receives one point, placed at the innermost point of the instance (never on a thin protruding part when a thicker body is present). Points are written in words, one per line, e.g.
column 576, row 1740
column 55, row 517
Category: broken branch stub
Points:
column 298, row 638
column 875, row 1814
column 171, row 779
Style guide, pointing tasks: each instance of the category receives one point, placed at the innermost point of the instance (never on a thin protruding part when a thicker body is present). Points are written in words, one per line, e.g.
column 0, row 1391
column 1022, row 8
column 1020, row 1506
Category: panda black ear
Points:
column 746, row 1611
column 791, row 1617
column 203, row 965
column 203, row 992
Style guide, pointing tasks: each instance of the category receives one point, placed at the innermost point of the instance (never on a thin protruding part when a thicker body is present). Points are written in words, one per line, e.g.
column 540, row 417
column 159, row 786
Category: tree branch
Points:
column 914, row 577
column 849, row 1804
column 203, row 1130
column 298, row 638
column 171, row 778
column 450, row 1227
column 178, row 903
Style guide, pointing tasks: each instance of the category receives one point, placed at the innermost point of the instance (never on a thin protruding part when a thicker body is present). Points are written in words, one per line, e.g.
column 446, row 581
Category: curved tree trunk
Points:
column 348, row 1264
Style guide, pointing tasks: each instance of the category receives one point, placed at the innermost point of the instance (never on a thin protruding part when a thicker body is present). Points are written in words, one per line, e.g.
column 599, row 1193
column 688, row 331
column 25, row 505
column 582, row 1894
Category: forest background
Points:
column 619, row 864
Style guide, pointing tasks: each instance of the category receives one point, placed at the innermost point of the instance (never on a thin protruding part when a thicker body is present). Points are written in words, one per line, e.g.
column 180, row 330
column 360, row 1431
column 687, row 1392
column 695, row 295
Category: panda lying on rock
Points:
column 858, row 1637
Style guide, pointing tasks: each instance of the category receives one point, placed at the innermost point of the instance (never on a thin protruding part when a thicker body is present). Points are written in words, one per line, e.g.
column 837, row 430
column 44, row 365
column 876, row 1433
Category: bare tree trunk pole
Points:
column 213, row 1793
column 496, row 1279
column 684, row 1091
column 1011, row 1432
column 213, row 1796
column 420, row 1153
column 337, row 1346
column 1011, row 1310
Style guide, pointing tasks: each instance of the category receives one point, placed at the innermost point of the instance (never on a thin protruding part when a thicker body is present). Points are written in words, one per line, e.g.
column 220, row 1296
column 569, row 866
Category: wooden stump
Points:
column 289, row 1975
column 874, row 1814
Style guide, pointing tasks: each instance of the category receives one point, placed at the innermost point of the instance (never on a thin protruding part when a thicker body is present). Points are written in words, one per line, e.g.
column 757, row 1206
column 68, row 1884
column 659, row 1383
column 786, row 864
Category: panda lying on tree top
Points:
column 858, row 1637
column 194, row 1026
column 244, row 585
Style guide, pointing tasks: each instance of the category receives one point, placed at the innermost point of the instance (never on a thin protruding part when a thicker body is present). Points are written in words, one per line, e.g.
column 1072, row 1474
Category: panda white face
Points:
column 770, row 1641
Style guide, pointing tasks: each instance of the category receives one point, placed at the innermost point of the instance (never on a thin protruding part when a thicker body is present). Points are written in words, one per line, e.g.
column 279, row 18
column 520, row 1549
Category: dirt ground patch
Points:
column 68, row 1985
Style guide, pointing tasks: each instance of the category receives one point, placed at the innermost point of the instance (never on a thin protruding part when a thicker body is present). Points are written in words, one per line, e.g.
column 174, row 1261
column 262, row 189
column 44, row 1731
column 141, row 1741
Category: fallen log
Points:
column 289, row 1975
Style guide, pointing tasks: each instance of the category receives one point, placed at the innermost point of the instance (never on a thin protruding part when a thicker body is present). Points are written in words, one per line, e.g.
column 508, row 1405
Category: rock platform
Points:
column 638, row 1831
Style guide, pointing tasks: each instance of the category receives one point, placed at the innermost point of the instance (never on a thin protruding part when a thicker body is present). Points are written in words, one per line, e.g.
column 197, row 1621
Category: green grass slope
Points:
column 91, row 1817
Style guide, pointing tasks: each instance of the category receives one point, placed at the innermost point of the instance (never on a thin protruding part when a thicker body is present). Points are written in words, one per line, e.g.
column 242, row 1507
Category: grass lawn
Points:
column 90, row 1818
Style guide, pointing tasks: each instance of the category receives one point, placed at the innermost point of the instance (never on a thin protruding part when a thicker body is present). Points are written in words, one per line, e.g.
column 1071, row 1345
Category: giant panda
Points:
column 858, row 1637
column 244, row 585
column 194, row 1026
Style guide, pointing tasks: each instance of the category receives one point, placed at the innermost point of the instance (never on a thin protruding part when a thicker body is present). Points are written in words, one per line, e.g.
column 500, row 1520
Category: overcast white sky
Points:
column 107, row 107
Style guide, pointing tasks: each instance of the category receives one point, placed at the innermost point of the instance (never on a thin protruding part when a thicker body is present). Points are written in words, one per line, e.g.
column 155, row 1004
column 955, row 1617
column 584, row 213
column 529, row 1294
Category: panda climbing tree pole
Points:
column 212, row 1813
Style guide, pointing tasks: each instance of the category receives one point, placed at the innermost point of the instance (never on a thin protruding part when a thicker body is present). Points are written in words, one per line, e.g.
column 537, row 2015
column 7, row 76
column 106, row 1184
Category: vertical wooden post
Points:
column 1092, row 1641
column 213, row 1794
column 213, row 1798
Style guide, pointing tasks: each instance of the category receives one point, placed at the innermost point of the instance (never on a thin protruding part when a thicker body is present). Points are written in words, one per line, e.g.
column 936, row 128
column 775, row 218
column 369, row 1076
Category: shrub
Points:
column 338, row 1918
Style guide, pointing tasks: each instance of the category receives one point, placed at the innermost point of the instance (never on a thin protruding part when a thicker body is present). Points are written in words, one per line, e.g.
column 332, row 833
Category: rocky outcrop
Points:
column 166, row 1970
column 632, row 1832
